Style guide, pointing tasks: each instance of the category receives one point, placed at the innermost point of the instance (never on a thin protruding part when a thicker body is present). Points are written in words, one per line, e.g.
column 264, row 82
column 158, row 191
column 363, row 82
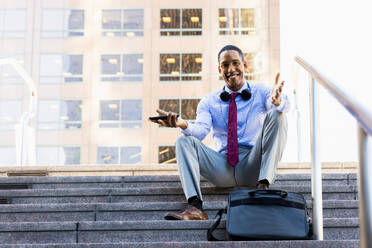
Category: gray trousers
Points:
column 255, row 164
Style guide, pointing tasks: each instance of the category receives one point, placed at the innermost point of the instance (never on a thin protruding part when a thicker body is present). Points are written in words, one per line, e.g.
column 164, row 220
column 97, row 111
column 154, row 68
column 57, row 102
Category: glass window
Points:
column 58, row 68
column 7, row 156
column 58, row 155
column 7, row 72
column 254, row 66
column 130, row 155
column 12, row 23
column 122, row 68
column 57, row 23
column 121, row 113
column 187, row 107
column 171, row 19
column 122, row 22
column 191, row 65
column 167, row 155
column 59, row 114
column 10, row 113
column 237, row 21
column 111, row 155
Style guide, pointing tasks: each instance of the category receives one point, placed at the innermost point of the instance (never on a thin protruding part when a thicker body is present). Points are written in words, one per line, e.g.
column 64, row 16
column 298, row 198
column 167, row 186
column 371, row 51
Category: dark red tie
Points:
column 232, row 133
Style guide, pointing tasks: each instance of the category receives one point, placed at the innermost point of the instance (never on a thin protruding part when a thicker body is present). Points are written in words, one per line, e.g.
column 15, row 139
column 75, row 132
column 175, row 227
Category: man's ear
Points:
column 245, row 64
column 219, row 68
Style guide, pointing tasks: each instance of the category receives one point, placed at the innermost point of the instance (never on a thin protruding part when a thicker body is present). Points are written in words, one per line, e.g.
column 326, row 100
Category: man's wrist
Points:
column 184, row 125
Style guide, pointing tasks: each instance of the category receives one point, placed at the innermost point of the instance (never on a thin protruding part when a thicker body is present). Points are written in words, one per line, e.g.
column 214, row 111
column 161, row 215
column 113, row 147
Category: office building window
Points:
column 12, row 23
column 58, row 23
column 119, row 155
column 122, row 22
column 121, row 114
column 167, row 155
column 185, row 107
column 59, row 114
column 7, row 155
column 184, row 67
column 10, row 113
column 58, row 155
column 61, row 68
column 8, row 75
column 176, row 22
column 122, row 68
column 237, row 21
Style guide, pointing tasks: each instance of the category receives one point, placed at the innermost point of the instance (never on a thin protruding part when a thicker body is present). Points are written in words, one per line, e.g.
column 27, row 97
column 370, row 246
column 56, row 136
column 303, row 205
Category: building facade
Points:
column 103, row 67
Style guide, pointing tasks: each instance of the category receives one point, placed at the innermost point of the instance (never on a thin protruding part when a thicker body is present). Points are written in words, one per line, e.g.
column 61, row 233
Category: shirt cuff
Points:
column 187, row 131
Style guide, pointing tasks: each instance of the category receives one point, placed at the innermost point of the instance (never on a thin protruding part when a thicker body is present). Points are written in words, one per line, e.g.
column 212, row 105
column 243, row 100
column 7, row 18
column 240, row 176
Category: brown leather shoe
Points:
column 191, row 213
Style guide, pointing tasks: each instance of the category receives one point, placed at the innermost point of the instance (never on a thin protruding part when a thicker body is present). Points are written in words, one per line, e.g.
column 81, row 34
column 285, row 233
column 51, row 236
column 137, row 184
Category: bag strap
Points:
column 210, row 236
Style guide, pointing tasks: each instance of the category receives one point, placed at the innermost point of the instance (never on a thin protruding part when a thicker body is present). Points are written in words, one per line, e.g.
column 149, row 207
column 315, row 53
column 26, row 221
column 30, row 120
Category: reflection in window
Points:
column 58, row 68
column 57, row 23
column 121, row 113
column 237, row 21
column 167, row 155
column 171, row 64
column 122, row 23
column 122, row 68
column 119, row 155
column 187, row 107
column 10, row 113
column 59, row 114
column 171, row 20
column 7, row 155
column 58, row 155
column 12, row 23
column 7, row 72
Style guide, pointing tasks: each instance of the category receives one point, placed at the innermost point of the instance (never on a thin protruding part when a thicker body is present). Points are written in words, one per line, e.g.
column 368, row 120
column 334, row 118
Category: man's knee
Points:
column 184, row 140
column 275, row 115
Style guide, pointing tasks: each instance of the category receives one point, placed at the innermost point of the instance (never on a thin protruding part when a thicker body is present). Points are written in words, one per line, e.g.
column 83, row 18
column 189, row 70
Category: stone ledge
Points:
column 156, row 169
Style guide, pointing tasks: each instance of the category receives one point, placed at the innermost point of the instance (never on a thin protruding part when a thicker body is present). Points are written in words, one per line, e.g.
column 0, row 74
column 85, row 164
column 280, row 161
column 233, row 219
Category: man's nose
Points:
column 230, row 68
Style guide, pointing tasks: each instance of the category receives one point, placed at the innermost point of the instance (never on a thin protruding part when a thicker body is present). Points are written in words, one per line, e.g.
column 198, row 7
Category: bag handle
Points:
column 210, row 236
column 282, row 193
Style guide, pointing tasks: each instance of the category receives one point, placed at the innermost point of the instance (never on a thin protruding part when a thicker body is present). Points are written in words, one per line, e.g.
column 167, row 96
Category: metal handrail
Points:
column 25, row 140
column 364, row 120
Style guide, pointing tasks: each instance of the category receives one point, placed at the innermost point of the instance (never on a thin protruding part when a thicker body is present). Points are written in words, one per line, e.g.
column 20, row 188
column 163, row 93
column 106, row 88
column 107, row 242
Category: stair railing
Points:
column 364, row 121
column 24, row 130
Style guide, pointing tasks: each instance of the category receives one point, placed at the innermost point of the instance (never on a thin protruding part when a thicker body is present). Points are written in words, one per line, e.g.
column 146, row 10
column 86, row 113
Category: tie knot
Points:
column 233, row 96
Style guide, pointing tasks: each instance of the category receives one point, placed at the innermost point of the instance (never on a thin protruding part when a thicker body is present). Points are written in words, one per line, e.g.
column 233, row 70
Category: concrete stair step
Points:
column 205, row 244
column 140, row 231
column 136, row 211
column 150, row 181
column 158, row 194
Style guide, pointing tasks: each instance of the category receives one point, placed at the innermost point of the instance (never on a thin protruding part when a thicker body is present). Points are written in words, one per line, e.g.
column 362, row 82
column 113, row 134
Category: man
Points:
column 249, row 131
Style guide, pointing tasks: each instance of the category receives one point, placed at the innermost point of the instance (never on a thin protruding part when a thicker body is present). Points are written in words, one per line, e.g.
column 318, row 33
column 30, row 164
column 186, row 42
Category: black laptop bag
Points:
column 264, row 215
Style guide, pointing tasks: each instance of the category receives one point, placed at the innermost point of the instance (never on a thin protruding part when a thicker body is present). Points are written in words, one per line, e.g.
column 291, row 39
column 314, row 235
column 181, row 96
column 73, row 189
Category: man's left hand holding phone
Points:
column 169, row 119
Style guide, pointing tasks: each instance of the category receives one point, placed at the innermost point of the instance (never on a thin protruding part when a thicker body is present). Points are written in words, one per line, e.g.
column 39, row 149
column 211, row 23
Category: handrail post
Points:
column 365, row 187
column 316, row 177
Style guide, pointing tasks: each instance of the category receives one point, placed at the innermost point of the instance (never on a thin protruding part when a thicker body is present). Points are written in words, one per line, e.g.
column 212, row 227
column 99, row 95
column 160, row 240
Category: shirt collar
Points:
column 245, row 86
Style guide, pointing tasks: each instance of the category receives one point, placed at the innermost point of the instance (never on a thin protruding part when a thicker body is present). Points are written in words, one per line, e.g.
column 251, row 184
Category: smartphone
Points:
column 160, row 117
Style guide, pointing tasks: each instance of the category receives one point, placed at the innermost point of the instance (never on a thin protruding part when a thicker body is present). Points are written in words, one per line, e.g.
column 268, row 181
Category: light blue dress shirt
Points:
column 213, row 112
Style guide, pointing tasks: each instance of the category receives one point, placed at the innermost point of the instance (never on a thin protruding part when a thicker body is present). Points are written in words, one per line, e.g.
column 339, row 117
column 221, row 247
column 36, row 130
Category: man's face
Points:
column 231, row 68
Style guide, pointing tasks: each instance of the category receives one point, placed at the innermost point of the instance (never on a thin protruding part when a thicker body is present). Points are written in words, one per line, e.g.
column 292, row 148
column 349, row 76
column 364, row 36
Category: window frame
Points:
column 122, row 30
column 122, row 74
column 180, row 75
column 120, row 122
column 62, row 82
column 180, row 29
column 60, row 123
column 59, row 153
column 173, row 159
column 3, row 33
column 119, row 147
column 64, row 31
column 238, row 29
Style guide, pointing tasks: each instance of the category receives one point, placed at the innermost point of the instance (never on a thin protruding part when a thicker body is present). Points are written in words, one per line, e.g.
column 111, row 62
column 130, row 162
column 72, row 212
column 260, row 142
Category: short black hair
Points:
column 230, row 47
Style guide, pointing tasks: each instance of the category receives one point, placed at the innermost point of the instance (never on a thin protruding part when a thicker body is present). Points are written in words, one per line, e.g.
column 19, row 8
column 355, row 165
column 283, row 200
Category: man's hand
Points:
column 171, row 121
column 276, row 91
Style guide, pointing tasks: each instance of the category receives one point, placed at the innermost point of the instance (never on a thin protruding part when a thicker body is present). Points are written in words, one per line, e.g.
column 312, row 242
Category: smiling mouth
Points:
column 232, row 76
